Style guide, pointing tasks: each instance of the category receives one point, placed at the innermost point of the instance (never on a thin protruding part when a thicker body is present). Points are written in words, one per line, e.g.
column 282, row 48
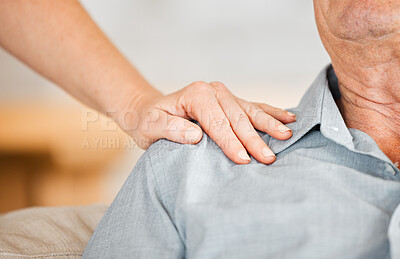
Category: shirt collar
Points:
column 309, row 113
column 318, row 107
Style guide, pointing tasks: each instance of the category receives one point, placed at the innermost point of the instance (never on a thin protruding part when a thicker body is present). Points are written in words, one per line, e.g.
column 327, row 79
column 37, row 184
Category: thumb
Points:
column 180, row 130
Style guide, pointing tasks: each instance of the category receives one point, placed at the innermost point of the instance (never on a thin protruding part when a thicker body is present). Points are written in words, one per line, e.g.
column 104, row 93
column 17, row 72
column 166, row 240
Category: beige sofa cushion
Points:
column 60, row 232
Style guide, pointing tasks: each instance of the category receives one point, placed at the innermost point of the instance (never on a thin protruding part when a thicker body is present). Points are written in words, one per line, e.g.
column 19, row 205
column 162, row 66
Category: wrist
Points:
column 128, row 109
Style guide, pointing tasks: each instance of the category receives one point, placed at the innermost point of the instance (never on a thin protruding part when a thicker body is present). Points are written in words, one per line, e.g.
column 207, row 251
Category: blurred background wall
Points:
column 263, row 50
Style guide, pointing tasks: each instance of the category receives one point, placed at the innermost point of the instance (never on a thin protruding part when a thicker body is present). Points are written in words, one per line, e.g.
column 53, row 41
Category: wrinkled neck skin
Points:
column 362, row 38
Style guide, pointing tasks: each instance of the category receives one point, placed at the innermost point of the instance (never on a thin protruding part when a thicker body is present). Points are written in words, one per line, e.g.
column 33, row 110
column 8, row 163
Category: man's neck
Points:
column 363, row 41
column 374, row 108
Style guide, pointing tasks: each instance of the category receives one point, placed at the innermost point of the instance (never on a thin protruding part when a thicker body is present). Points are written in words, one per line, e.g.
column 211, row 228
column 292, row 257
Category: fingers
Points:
column 265, row 122
column 204, row 107
column 180, row 130
column 174, row 128
column 242, row 126
column 277, row 113
column 229, row 121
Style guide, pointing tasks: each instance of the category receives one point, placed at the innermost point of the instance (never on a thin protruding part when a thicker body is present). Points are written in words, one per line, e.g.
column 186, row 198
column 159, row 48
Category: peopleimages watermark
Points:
column 149, row 121
column 131, row 120
column 90, row 116
column 108, row 142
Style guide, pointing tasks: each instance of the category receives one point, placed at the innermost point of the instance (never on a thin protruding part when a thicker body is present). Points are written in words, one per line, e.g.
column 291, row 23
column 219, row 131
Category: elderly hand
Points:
column 228, row 120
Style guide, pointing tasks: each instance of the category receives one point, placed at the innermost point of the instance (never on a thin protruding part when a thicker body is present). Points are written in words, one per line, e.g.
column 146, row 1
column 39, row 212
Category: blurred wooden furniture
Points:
column 51, row 155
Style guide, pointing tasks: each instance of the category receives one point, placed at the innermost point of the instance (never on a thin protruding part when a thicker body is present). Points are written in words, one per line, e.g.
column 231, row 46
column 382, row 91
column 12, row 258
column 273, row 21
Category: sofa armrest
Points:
column 48, row 232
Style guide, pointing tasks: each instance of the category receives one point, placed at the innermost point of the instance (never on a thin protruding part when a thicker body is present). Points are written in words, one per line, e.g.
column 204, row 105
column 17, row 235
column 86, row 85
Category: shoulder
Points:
column 165, row 155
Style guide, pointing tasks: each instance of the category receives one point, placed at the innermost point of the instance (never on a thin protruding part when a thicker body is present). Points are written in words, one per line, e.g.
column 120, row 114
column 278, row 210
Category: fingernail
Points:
column 283, row 129
column 243, row 155
column 267, row 152
column 192, row 134
column 291, row 114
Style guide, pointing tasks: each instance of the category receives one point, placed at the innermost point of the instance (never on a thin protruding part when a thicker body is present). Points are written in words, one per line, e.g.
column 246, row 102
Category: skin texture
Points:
column 362, row 38
column 59, row 40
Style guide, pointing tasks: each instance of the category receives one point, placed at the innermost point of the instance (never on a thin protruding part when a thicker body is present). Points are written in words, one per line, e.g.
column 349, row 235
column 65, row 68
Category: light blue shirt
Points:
column 332, row 193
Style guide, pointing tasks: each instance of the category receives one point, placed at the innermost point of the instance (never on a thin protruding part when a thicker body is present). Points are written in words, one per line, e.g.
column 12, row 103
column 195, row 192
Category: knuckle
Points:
column 265, row 107
column 201, row 88
column 239, row 117
column 198, row 84
column 252, row 109
column 271, row 110
column 279, row 112
column 219, row 123
column 218, row 86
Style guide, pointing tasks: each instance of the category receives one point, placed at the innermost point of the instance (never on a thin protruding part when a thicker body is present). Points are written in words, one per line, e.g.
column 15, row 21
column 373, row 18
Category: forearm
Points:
column 59, row 40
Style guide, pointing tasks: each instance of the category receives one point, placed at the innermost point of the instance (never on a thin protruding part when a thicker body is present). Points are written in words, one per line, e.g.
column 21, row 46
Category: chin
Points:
column 360, row 19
